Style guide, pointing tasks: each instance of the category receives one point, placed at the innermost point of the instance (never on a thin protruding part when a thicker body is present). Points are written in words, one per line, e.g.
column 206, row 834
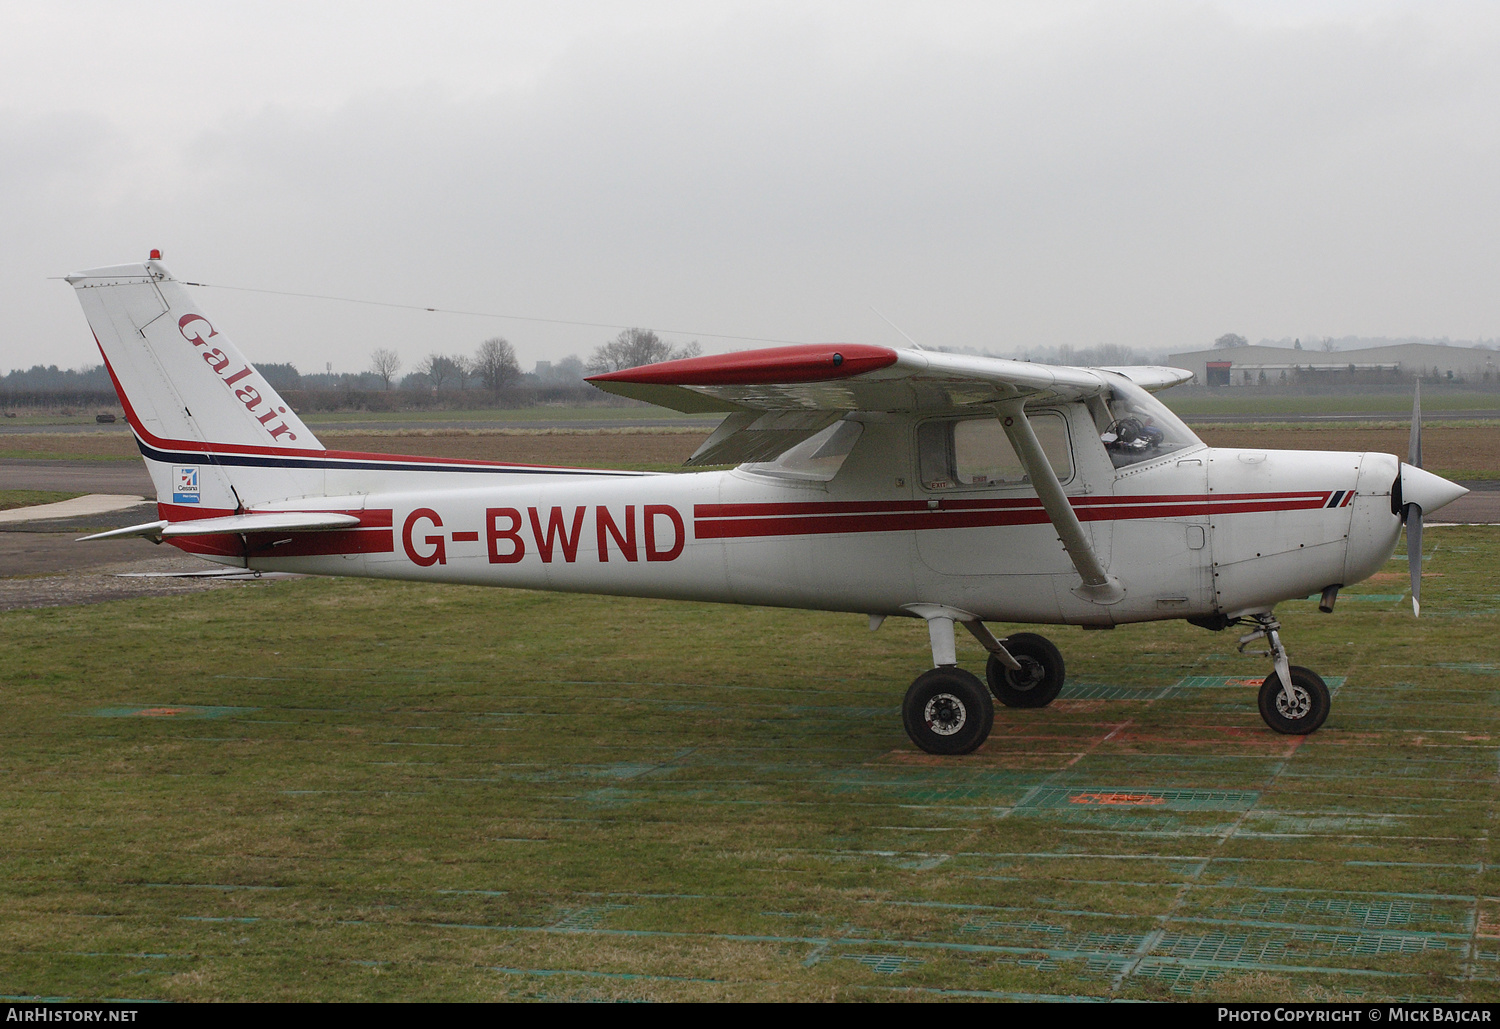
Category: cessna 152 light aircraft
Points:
column 960, row 490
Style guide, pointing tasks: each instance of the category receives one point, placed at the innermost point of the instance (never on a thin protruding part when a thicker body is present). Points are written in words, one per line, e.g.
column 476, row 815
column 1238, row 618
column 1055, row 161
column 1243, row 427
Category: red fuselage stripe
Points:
column 1295, row 500
column 738, row 521
column 302, row 544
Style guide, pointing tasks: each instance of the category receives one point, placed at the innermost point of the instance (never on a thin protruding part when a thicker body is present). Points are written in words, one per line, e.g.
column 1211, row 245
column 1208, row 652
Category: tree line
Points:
column 492, row 368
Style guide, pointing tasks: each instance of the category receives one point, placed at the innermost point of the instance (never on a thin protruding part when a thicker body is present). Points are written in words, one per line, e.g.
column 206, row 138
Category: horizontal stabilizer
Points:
column 229, row 574
column 276, row 521
column 150, row 530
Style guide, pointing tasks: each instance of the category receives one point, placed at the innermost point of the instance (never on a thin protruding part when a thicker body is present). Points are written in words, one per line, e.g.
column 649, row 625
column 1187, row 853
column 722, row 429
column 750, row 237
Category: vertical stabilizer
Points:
column 208, row 424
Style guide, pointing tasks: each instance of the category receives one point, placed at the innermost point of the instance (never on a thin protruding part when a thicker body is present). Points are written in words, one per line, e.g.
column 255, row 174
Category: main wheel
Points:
column 947, row 711
column 1040, row 679
column 1304, row 714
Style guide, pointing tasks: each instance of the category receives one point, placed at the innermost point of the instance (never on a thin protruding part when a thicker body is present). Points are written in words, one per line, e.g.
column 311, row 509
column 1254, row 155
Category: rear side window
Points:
column 975, row 453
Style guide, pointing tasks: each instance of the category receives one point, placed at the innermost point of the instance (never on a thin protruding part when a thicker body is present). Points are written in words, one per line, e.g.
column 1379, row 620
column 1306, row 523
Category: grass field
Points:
column 327, row 789
column 13, row 498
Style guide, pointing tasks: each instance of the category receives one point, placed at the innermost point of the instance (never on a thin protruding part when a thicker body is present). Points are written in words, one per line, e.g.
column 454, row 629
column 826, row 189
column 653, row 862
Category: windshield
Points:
column 1138, row 427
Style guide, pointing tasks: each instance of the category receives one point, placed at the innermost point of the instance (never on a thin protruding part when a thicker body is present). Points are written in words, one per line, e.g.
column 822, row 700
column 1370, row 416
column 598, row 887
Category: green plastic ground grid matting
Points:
column 1100, row 691
column 1104, row 691
column 886, row 964
column 1218, row 682
column 169, row 711
column 1073, row 798
column 1371, row 914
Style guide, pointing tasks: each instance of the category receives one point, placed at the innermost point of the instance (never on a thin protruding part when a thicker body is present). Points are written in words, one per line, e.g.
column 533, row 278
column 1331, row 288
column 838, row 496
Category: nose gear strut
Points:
column 1293, row 700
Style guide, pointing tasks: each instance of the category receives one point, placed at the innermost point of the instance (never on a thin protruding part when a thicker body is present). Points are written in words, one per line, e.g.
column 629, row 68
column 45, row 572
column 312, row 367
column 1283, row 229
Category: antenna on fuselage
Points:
column 897, row 328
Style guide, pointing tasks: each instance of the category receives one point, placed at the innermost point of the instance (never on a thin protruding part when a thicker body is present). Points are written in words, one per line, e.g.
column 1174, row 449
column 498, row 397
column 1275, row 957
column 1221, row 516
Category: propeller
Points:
column 1411, row 514
column 1414, row 493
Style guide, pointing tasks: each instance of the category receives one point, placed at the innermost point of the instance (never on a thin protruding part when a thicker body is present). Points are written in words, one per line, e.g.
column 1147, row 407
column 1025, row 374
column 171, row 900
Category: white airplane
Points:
column 960, row 490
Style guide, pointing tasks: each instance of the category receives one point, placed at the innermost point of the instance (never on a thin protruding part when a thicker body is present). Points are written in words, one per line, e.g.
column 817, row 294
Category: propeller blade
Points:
column 1414, row 555
column 1414, row 448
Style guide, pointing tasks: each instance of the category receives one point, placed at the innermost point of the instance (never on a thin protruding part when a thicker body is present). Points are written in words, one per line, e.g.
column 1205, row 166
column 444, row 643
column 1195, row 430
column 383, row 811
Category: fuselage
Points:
column 1195, row 532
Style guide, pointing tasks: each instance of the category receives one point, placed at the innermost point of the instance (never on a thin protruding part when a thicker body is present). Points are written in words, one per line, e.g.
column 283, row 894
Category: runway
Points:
column 77, row 476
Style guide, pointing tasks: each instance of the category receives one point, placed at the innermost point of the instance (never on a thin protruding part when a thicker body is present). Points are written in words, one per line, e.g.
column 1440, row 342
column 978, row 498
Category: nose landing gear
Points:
column 1293, row 700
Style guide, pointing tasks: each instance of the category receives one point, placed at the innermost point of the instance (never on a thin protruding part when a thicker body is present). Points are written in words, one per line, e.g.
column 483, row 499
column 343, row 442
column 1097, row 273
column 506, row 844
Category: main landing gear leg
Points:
column 1293, row 699
column 947, row 710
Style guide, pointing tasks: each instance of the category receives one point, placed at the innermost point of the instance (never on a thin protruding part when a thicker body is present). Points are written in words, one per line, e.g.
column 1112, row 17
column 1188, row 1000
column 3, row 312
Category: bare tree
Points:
column 1110, row 354
column 1230, row 339
column 439, row 370
column 635, row 347
column 495, row 363
column 1329, row 345
column 385, row 364
column 463, row 369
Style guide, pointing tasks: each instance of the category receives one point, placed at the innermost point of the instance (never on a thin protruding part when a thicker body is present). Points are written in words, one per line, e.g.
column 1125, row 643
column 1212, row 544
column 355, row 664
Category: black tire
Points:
column 948, row 711
column 1310, row 711
column 1040, row 679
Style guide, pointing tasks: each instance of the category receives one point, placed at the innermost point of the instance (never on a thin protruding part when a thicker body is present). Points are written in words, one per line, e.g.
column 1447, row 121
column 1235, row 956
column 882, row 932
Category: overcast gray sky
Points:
column 991, row 175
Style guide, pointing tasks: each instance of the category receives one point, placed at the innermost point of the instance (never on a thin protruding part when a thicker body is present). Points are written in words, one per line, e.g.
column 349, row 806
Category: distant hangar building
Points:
column 1256, row 365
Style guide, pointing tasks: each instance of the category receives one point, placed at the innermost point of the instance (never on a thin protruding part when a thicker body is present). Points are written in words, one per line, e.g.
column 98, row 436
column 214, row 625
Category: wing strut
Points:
column 1098, row 585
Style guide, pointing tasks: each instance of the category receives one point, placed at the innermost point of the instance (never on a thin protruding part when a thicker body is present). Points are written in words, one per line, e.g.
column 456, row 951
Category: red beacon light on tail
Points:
column 156, row 255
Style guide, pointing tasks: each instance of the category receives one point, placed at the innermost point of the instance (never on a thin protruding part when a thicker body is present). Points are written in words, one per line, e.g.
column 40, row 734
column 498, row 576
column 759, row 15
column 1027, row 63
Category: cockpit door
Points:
column 982, row 515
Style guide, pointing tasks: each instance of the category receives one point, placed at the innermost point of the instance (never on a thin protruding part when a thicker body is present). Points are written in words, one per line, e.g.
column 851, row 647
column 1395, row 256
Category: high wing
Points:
column 779, row 396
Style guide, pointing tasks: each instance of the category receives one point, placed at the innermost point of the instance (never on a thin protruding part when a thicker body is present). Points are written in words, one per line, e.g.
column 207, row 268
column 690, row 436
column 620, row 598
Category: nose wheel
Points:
column 1293, row 700
column 1298, row 711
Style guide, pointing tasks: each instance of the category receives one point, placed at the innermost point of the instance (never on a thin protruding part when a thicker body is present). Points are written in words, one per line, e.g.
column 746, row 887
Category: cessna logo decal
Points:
column 555, row 534
column 218, row 361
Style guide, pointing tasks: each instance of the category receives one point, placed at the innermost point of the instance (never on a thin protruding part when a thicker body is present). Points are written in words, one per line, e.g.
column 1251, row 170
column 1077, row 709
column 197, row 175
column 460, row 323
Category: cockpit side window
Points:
column 1140, row 427
column 975, row 453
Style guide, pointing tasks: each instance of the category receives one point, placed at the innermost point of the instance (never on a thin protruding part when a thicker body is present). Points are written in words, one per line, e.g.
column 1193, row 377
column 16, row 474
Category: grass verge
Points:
column 13, row 498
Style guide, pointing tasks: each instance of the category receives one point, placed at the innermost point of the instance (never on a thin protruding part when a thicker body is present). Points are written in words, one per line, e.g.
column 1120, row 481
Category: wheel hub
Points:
column 1297, row 707
column 945, row 714
column 1028, row 676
